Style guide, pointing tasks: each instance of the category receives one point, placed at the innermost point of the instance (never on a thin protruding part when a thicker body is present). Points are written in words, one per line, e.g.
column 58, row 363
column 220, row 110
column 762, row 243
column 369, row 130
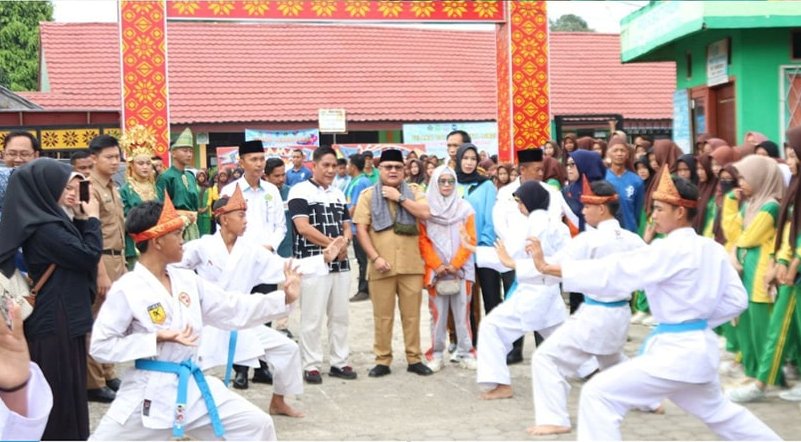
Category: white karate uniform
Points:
column 687, row 278
column 14, row 426
column 265, row 214
column 246, row 266
column 592, row 332
column 532, row 307
column 136, row 307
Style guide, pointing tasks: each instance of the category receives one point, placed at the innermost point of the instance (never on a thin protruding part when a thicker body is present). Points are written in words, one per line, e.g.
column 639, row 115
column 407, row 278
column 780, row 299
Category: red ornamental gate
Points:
column 521, row 51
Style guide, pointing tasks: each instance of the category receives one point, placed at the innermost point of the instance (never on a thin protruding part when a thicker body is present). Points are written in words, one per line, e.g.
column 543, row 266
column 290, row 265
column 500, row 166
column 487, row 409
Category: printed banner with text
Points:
column 484, row 136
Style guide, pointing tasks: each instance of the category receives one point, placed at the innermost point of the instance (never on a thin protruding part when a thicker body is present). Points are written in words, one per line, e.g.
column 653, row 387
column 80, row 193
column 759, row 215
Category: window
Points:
column 795, row 44
column 791, row 91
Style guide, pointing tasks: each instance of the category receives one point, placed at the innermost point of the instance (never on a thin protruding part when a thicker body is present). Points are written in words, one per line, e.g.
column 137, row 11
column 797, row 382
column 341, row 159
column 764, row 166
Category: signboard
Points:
column 346, row 150
column 332, row 121
column 483, row 134
column 682, row 133
column 272, row 138
column 717, row 63
column 202, row 138
column 227, row 157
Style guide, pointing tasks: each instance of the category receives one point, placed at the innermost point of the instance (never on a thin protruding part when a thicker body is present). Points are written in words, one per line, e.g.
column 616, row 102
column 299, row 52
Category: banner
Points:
column 346, row 150
column 227, row 157
column 484, row 136
column 272, row 138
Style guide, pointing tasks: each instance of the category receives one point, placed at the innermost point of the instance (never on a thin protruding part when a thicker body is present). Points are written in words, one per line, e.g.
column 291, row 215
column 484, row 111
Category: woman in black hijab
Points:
column 38, row 216
column 532, row 196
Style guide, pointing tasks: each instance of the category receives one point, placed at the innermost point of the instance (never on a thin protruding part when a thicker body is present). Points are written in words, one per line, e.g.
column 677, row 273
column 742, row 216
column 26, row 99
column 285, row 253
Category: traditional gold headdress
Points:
column 587, row 197
column 235, row 202
column 138, row 140
column 169, row 221
column 666, row 191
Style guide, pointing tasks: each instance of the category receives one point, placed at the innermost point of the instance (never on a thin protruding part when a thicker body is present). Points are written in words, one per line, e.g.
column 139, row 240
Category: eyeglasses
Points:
column 446, row 181
column 571, row 164
column 16, row 154
column 392, row 167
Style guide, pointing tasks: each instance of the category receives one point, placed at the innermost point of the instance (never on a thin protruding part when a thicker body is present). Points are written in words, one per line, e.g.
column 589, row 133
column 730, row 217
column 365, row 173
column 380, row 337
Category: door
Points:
column 724, row 113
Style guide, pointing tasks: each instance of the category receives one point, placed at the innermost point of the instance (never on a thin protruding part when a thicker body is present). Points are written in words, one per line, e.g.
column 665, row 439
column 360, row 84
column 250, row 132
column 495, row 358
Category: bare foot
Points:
column 544, row 430
column 499, row 392
column 279, row 406
column 658, row 410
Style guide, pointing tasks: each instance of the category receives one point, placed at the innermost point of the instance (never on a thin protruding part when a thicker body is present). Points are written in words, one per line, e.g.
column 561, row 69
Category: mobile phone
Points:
column 83, row 191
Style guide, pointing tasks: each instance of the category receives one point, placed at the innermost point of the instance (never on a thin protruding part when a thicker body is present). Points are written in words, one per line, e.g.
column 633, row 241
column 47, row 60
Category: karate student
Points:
column 598, row 329
column 531, row 308
column 25, row 396
column 151, row 316
column 692, row 287
column 238, row 265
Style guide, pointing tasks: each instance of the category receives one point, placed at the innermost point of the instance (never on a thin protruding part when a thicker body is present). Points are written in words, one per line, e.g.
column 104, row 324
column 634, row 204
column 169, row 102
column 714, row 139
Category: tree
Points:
column 570, row 23
column 19, row 42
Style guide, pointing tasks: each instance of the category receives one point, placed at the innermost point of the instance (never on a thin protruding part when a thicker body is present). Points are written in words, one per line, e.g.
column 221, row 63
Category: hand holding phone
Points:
column 83, row 191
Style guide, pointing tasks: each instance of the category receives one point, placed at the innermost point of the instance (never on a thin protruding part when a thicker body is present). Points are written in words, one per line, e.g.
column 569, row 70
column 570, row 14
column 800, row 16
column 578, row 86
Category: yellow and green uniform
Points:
column 708, row 230
column 754, row 247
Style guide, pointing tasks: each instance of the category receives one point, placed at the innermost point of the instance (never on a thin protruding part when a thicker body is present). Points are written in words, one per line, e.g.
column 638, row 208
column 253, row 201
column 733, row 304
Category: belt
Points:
column 512, row 289
column 591, row 301
column 112, row 252
column 681, row 327
column 229, row 364
column 184, row 370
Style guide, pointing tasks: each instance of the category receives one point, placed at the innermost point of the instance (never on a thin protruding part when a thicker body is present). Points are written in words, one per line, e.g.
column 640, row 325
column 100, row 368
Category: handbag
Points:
column 449, row 286
column 18, row 289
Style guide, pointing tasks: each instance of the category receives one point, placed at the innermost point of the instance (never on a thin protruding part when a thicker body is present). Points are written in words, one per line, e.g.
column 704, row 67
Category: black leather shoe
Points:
column 262, row 376
column 241, row 380
column 379, row 370
column 312, row 377
column 345, row 372
column 113, row 384
column 104, row 395
column 514, row 358
column 419, row 368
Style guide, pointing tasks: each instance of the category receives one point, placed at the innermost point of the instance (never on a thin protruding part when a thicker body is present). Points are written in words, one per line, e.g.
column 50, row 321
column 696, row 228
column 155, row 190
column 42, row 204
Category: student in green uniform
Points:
column 180, row 184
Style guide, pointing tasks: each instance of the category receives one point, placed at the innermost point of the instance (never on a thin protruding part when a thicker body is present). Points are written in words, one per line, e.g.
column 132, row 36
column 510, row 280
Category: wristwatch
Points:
column 401, row 199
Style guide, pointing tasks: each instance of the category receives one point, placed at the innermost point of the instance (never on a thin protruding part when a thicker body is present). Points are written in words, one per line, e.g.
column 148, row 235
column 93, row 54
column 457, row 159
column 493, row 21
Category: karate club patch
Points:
column 184, row 298
column 157, row 313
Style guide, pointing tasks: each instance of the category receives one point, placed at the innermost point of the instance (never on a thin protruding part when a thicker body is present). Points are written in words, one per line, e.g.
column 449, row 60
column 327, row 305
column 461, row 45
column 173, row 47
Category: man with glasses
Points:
column 18, row 148
column 386, row 218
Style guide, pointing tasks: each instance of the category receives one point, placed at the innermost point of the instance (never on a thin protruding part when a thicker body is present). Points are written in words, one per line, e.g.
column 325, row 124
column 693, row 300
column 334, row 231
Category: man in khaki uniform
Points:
column 102, row 383
column 386, row 227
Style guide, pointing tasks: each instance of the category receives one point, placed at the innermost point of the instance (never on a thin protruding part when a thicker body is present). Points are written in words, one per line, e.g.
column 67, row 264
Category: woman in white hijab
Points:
column 450, row 269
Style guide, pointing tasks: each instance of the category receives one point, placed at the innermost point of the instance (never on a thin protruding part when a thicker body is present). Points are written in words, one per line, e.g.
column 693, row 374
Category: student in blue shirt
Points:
column 298, row 173
column 629, row 185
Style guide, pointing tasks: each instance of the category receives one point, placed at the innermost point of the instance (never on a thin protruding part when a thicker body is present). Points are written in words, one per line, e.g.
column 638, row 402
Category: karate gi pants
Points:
column 408, row 290
column 459, row 306
column 324, row 297
column 241, row 419
column 609, row 395
column 283, row 356
column 96, row 373
column 498, row 332
column 558, row 358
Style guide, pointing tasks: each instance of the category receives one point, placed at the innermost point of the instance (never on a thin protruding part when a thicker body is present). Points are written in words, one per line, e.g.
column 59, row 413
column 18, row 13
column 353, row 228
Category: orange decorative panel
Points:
column 505, row 150
column 145, row 96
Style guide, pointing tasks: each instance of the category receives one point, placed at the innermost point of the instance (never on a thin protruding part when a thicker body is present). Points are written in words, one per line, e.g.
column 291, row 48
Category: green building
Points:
column 738, row 64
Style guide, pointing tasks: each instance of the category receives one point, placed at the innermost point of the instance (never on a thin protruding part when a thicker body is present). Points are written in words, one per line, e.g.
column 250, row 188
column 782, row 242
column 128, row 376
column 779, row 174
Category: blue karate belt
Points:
column 512, row 289
column 229, row 365
column 183, row 370
column 682, row 327
column 591, row 301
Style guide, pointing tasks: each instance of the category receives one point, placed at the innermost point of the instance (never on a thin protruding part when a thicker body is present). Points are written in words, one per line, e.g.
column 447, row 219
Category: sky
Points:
column 602, row 16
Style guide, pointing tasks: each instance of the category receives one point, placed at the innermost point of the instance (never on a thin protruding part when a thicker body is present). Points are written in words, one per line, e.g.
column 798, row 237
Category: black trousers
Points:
column 361, row 259
column 261, row 289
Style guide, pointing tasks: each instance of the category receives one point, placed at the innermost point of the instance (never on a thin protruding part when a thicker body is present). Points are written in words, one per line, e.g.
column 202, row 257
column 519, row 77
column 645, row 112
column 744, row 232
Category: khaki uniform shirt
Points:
column 112, row 221
column 402, row 252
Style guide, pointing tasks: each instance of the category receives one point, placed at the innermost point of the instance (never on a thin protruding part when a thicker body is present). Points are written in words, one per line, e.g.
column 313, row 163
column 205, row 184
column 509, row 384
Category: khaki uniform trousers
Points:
column 97, row 374
column 408, row 290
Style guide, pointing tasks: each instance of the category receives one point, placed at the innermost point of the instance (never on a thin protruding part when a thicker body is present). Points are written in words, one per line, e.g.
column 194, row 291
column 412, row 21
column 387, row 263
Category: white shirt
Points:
column 686, row 277
column 265, row 214
column 14, row 426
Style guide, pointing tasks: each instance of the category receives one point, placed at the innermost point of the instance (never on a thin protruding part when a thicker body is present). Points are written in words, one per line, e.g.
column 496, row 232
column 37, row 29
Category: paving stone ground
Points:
column 445, row 406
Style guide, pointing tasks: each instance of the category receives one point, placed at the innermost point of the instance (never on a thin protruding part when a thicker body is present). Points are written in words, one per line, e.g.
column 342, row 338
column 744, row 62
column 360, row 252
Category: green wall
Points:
column 756, row 55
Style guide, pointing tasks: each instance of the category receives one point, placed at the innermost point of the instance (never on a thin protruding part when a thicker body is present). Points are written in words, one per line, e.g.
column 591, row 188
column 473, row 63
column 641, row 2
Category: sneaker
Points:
column 345, row 372
column 748, row 393
column 792, row 395
column 361, row 296
column 468, row 363
column 649, row 321
column 312, row 377
column 790, row 372
column 638, row 317
column 455, row 358
column 452, row 348
column 731, row 369
column 435, row 364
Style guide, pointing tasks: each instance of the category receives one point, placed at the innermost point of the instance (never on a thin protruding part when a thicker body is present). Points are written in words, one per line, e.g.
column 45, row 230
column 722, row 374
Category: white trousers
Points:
column 608, row 396
column 496, row 334
column 460, row 306
column 283, row 356
column 557, row 359
column 241, row 419
column 324, row 297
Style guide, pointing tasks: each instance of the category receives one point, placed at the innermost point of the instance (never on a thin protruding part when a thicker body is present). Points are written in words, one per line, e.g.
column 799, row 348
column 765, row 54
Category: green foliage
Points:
column 19, row 42
column 570, row 23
